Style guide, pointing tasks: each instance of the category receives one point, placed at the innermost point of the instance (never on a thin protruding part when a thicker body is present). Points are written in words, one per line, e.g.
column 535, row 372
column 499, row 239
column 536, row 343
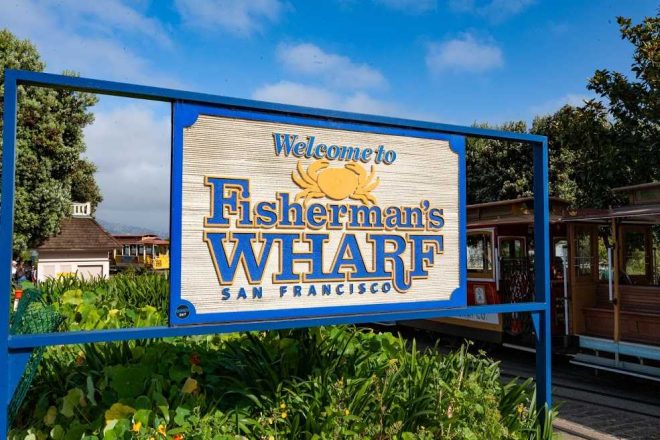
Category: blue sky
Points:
column 455, row 61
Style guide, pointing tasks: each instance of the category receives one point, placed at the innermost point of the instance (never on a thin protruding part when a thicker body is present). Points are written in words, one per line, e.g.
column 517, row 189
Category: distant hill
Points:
column 120, row 228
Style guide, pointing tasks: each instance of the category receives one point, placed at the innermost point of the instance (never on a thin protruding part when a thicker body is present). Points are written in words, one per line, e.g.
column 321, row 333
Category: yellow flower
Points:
column 520, row 408
column 162, row 430
column 271, row 437
column 51, row 415
column 282, row 406
column 346, row 412
column 189, row 386
column 393, row 361
column 284, row 414
column 136, row 427
column 118, row 411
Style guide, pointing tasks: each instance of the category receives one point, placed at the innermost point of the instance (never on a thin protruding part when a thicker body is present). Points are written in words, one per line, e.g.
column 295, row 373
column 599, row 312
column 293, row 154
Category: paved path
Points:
column 603, row 406
column 588, row 421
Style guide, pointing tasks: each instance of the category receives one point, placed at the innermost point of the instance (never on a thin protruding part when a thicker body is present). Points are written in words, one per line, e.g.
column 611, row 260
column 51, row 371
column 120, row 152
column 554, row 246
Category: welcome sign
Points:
column 277, row 217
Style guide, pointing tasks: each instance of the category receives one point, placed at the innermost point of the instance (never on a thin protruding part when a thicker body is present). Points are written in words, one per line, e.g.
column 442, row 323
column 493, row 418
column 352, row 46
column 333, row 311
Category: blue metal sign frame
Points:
column 15, row 350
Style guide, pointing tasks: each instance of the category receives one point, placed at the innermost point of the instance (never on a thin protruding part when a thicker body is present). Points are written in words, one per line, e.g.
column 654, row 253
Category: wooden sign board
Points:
column 276, row 217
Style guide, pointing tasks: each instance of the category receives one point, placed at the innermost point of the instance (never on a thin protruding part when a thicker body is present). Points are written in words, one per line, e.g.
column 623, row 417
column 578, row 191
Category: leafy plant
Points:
column 318, row 383
column 321, row 383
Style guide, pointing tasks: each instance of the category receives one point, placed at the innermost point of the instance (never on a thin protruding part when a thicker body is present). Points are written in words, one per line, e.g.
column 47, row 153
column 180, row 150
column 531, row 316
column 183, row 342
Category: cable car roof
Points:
column 513, row 211
column 647, row 214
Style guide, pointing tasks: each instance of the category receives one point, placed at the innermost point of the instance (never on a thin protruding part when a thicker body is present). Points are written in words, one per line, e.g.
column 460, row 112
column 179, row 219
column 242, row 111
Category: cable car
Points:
column 605, row 280
column 141, row 251
column 500, row 269
column 615, row 284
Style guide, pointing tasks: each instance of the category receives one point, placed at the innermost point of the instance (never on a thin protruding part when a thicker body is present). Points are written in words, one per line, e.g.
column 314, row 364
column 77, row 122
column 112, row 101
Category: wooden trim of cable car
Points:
column 639, row 315
column 634, row 326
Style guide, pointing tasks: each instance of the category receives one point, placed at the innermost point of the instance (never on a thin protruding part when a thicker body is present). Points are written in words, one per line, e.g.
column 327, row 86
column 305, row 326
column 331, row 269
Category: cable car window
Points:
column 583, row 260
column 634, row 253
column 561, row 249
column 480, row 254
column 560, row 257
column 604, row 235
column 512, row 247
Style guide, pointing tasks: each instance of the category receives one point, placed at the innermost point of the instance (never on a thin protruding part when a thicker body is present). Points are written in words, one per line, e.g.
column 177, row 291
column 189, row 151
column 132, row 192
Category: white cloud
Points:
column 410, row 6
column 130, row 145
column 552, row 105
column 83, row 37
column 465, row 53
column 287, row 92
column 360, row 102
column 107, row 16
column 494, row 10
column 237, row 16
column 336, row 70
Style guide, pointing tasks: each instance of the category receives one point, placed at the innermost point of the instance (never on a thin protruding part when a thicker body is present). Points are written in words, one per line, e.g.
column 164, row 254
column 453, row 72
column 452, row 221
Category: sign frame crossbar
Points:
column 15, row 349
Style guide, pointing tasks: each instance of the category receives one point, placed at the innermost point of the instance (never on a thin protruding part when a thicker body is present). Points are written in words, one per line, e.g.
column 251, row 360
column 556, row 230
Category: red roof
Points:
column 124, row 239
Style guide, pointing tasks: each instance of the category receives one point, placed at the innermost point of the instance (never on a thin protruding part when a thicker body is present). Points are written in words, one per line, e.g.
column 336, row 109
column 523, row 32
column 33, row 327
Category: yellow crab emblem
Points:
column 335, row 183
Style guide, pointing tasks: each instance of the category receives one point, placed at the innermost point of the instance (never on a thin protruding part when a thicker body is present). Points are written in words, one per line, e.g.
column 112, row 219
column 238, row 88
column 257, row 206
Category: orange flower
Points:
column 178, row 437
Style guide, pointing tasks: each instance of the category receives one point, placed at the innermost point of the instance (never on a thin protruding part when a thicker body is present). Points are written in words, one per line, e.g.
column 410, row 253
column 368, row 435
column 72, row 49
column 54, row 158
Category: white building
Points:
column 81, row 247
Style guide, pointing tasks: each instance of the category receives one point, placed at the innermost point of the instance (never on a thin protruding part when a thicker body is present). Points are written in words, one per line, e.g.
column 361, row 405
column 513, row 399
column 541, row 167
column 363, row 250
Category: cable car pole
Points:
column 615, row 272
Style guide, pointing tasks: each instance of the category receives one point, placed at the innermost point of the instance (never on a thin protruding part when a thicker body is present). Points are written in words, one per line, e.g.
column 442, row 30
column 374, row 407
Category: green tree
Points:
column 498, row 170
column 50, row 172
column 584, row 160
column 634, row 104
column 593, row 148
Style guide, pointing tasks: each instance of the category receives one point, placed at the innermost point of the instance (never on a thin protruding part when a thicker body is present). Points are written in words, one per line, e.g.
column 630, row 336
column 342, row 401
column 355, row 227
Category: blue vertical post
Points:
column 542, row 276
column 6, row 239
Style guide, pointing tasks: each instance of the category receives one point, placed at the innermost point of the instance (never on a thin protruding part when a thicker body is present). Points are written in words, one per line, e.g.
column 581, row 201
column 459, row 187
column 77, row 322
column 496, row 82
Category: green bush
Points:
column 126, row 300
column 320, row 383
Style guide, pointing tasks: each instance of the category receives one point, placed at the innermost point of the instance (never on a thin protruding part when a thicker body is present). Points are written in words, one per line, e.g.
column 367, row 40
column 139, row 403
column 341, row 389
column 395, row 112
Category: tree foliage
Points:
column 582, row 154
column 50, row 172
column 634, row 104
column 498, row 170
column 593, row 148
